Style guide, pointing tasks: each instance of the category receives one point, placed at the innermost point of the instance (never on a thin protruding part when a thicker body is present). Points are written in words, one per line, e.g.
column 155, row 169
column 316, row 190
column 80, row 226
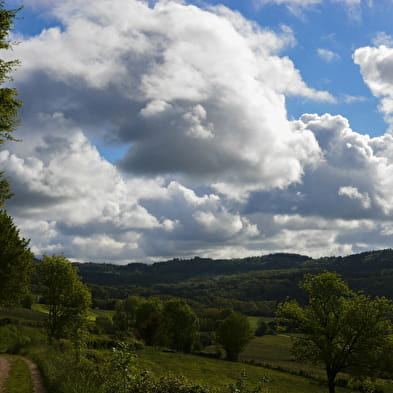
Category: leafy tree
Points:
column 210, row 318
column 122, row 370
column 233, row 334
column 149, row 321
column 5, row 191
column 341, row 329
column 104, row 324
column 15, row 262
column 9, row 104
column 27, row 301
column 181, row 325
column 67, row 297
column 125, row 313
column 262, row 329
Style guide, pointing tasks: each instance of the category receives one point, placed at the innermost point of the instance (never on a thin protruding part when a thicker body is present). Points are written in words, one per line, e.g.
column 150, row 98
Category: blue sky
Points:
column 327, row 25
column 216, row 128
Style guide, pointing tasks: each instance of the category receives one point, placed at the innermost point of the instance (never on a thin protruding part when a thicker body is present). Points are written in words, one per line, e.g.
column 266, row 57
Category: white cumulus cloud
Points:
column 376, row 66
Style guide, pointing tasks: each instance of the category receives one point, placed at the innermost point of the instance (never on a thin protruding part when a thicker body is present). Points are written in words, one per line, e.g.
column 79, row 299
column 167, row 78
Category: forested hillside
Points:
column 250, row 285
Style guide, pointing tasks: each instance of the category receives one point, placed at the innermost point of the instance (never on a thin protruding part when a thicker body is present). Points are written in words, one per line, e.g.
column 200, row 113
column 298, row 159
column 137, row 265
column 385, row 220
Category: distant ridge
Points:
column 176, row 270
column 252, row 285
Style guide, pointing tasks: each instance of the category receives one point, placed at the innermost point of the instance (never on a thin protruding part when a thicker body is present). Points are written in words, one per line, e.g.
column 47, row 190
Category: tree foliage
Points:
column 233, row 334
column 15, row 262
column 68, row 299
column 9, row 104
column 341, row 329
column 125, row 313
column 5, row 191
column 149, row 321
column 181, row 325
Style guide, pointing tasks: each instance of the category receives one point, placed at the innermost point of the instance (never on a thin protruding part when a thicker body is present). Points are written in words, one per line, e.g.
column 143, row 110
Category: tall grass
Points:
column 66, row 372
column 19, row 379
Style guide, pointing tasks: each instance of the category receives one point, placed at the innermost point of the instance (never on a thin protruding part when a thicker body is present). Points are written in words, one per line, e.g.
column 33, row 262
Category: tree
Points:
column 5, row 191
column 341, row 329
column 125, row 313
column 262, row 329
column 104, row 324
column 181, row 325
column 9, row 104
column 233, row 334
column 67, row 297
column 15, row 262
column 149, row 321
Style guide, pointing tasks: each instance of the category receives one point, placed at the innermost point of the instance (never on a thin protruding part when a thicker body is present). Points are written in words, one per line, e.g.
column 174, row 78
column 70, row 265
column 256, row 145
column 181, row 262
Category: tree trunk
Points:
column 331, row 376
column 332, row 388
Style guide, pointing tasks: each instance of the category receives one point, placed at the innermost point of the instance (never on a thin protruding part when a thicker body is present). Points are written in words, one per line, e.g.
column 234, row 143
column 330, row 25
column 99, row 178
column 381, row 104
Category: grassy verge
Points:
column 19, row 379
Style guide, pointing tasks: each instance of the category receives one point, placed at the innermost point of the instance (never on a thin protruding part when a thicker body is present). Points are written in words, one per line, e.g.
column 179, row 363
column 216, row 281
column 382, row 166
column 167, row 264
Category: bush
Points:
column 145, row 383
column 14, row 338
column 64, row 373
column 263, row 328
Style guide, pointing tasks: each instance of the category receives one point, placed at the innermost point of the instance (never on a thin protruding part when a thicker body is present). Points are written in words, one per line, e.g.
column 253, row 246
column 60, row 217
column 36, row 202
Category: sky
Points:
column 223, row 129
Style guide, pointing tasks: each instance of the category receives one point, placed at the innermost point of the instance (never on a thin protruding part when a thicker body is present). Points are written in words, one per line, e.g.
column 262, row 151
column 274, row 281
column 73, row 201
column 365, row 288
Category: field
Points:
column 218, row 373
column 273, row 350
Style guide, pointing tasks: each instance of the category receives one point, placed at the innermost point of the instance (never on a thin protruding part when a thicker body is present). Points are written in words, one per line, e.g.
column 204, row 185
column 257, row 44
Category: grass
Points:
column 94, row 313
column 23, row 315
column 218, row 373
column 269, row 349
column 274, row 350
column 19, row 379
column 254, row 321
column 108, row 313
column 40, row 307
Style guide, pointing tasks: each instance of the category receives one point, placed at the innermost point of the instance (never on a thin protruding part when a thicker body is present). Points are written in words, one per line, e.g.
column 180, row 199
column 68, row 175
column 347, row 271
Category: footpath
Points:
column 5, row 368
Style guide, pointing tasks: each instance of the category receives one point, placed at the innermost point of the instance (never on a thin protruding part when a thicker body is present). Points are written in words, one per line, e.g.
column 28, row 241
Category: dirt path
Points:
column 36, row 376
column 4, row 371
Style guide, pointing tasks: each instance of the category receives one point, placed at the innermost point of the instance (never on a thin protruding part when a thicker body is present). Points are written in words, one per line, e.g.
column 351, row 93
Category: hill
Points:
column 251, row 285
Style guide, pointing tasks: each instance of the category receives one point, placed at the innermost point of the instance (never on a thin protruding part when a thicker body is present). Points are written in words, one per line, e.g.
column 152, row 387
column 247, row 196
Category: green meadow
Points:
column 219, row 373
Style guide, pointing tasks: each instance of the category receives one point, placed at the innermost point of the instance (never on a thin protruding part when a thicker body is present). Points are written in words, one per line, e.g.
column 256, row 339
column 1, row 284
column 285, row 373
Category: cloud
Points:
column 327, row 55
column 376, row 67
column 200, row 91
column 353, row 193
column 297, row 7
column 69, row 199
column 349, row 99
column 213, row 168
column 381, row 38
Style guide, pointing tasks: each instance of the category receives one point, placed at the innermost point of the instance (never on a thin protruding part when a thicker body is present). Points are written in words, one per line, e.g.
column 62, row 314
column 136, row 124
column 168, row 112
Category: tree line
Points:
column 175, row 325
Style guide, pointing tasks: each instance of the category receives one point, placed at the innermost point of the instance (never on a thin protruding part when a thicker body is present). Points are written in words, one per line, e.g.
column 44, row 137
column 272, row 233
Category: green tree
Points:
column 181, row 325
column 68, row 299
column 262, row 329
column 9, row 104
column 233, row 334
column 15, row 262
column 5, row 191
column 341, row 329
column 149, row 321
column 125, row 313
column 104, row 324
